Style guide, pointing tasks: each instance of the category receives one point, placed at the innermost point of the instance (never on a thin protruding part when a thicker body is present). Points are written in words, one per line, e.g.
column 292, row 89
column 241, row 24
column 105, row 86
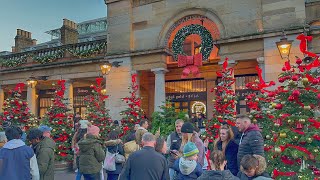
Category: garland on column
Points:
column 58, row 118
column 96, row 111
column 16, row 111
column 294, row 149
column 225, row 101
column 133, row 113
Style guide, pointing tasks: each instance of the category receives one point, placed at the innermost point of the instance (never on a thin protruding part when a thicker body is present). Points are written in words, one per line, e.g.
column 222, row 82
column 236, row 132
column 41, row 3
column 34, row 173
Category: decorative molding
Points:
column 137, row 3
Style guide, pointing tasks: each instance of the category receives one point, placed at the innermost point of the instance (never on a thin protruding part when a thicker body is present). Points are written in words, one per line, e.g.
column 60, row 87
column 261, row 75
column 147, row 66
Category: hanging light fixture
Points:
column 284, row 47
column 105, row 68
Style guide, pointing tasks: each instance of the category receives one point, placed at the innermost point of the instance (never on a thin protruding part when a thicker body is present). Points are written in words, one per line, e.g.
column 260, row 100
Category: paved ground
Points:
column 65, row 175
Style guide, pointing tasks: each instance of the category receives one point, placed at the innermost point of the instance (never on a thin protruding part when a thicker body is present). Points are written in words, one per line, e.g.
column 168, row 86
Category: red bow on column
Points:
column 191, row 64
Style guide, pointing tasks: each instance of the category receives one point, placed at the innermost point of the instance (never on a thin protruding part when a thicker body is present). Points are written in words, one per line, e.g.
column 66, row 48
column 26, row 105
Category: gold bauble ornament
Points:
column 63, row 129
column 309, row 140
column 277, row 150
column 213, row 100
column 276, row 124
column 254, row 121
column 302, row 120
column 20, row 102
column 270, row 107
column 296, row 138
column 307, row 108
column 305, row 80
column 257, row 99
column 15, row 118
column 289, row 121
column 268, row 136
column 273, row 105
column 283, row 102
column 246, row 99
column 316, row 150
column 283, row 135
column 53, row 130
column 225, row 100
column 268, row 112
column 257, row 81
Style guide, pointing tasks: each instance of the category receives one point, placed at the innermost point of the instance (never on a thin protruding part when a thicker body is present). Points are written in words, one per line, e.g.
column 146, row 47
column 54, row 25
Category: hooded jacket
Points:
column 263, row 176
column 44, row 151
column 251, row 142
column 231, row 156
column 223, row 175
column 187, row 169
column 91, row 155
column 15, row 155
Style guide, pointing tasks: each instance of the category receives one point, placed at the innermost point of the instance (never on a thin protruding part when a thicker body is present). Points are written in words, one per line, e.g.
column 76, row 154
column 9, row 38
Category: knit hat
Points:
column 83, row 124
column 93, row 130
column 190, row 149
column 187, row 128
column 44, row 128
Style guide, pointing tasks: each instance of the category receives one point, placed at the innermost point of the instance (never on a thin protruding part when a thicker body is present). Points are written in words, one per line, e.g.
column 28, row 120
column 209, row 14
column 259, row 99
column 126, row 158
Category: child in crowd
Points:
column 252, row 167
column 187, row 166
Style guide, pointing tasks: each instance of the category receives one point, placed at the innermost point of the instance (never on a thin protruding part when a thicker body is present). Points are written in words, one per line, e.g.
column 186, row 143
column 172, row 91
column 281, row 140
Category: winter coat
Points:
column 91, row 155
column 187, row 169
column 251, row 142
column 130, row 147
column 231, row 156
column 117, row 148
column 44, row 151
column 173, row 143
column 15, row 158
column 243, row 176
column 139, row 133
column 145, row 164
column 221, row 175
column 262, row 178
column 201, row 149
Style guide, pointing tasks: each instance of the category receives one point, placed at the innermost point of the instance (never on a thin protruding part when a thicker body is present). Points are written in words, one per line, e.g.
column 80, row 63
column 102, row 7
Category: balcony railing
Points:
column 47, row 55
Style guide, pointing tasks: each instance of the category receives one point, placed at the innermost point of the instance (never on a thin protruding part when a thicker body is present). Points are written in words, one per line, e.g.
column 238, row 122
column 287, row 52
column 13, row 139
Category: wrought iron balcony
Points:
column 60, row 53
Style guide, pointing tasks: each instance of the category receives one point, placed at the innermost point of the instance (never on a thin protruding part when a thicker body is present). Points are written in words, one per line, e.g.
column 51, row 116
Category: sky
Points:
column 39, row 16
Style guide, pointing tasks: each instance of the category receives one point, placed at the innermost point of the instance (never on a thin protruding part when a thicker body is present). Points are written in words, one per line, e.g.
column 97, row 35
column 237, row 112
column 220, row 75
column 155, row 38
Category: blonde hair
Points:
column 230, row 137
column 185, row 141
column 262, row 164
column 218, row 158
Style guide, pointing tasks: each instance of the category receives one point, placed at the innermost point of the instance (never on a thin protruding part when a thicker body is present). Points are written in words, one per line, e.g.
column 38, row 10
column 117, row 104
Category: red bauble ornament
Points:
column 315, row 81
column 295, row 78
column 298, row 61
column 291, row 98
column 278, row 106
column 284, row 69
column 271, row 94
column 296, row 93
column 281, row 80
column 319, row 96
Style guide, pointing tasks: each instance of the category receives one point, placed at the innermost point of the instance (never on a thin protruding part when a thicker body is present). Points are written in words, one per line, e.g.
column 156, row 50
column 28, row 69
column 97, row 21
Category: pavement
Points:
column 66, row 175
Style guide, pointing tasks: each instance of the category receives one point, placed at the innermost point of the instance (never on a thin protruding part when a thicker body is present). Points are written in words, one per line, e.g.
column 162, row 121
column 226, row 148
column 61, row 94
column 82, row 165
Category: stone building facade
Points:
column 140, row 35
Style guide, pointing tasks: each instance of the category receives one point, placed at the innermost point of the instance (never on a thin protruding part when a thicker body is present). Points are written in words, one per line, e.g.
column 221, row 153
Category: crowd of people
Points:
column 237, row 153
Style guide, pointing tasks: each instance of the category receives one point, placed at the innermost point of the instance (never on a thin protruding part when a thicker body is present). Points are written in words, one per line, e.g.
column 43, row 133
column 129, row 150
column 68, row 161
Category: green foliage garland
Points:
column 183, row 33
column 48, row 58
column 88, row 52
column 13, row 62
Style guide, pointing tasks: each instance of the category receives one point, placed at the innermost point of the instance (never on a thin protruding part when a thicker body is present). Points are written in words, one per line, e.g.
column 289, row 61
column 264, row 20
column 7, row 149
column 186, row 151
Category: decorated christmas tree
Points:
column 61, row 123
column 165, row 119
column 261, row 104
column 133, row 113
column 96, row 112
column 225, row 99
column 294, row 149
column 16, row 111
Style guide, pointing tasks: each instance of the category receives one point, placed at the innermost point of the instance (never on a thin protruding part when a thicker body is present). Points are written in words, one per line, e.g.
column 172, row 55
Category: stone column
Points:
column 31, row 99
column 160, row 93
column 68, row 94
column 260, row 61
column 1, row 98
column 231, row 64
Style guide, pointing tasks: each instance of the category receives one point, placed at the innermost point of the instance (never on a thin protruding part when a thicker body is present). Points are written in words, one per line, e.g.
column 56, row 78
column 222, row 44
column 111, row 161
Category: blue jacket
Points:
column 186, row 169
column 231, row 156
column 15, row 155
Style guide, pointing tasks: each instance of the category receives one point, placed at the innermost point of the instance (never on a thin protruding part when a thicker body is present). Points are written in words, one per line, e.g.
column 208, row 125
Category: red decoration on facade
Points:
column 191, row 64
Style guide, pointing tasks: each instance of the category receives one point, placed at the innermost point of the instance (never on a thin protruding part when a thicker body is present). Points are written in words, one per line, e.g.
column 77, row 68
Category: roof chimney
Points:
column 22, row 40
column 69, row 33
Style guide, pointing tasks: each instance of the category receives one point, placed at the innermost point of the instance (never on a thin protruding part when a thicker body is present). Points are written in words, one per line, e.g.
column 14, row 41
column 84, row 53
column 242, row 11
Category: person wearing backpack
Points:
column 114, row 148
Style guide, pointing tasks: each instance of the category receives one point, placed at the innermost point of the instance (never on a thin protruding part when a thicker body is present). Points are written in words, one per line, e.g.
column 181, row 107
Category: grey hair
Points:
column 179, row 121
column 148, row 137
column 3, row 137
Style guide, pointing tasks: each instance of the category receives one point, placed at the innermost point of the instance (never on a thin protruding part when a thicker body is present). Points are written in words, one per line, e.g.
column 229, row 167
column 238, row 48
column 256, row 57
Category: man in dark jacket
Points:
column 146, row 163
column 251, row 141
column 44, row 149
column 173, row 145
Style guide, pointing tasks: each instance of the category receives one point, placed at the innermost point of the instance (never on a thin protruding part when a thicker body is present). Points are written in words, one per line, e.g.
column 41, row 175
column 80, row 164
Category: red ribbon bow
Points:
column 277, row 173
column 191, row 64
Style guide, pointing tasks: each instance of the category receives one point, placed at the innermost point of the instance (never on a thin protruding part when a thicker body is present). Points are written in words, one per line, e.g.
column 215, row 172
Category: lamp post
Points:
column 105, row 68
column 32, row 82
column 284, row 47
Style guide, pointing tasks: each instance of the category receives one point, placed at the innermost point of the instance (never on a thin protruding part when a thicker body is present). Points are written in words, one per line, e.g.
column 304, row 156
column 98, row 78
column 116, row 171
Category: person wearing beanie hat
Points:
column 83, row 124
column 46, row 130
column 190, row 135
column 187, row 166
column 93, row 130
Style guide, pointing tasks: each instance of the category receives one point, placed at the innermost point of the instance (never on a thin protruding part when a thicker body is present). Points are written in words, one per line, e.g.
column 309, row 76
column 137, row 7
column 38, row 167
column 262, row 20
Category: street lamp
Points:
column 105, row 68
column 32, row 82
column 284, row 47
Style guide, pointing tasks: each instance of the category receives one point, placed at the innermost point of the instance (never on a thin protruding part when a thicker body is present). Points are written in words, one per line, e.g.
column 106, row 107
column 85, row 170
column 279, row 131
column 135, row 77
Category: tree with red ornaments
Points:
column 16, row 111
column 294, row 149
column 60, row 120
column 225, row 99
column 133, row 113
column 261, row 104
column 96, row 112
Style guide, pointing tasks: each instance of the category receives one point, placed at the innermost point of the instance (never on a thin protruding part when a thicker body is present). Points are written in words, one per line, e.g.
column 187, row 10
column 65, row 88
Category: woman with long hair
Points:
column 229, row 148
column 218, row 162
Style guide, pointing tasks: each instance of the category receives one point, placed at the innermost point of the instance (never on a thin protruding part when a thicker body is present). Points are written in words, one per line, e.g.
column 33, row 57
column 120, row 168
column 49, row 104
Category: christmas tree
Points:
column 16, row 111
column 225, row 99
column 57, row 117
column 165, row 119
column 294, row 149
column 133, row 114
column 96, row 112
column 261, row 104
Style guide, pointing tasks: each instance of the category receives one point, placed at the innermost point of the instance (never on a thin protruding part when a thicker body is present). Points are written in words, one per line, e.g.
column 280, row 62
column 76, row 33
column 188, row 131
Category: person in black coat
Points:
column 114, row 145
column 226, row 144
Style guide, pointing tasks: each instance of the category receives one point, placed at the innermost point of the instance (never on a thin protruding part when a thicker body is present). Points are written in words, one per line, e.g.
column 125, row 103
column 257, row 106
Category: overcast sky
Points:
column 38, row 16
